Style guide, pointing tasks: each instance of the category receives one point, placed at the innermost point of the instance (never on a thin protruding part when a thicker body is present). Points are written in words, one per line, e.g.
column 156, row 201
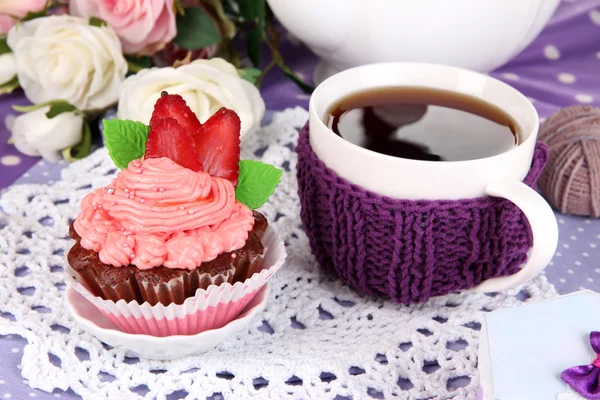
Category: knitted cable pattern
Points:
column 409, row 250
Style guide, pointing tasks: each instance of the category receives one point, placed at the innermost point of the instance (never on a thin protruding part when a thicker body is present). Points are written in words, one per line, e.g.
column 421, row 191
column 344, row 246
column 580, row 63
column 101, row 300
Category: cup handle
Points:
column 543, row 226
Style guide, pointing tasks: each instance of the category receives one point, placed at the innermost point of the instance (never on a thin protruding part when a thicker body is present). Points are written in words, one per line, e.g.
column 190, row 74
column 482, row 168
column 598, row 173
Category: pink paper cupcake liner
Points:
column 210, row 308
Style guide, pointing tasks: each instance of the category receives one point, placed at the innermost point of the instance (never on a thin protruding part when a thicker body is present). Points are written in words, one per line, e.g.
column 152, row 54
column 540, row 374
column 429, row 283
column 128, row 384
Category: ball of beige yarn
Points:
column 571, row 179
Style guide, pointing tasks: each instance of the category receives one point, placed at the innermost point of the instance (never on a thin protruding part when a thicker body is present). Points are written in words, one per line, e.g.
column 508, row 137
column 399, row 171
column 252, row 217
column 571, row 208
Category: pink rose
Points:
column 11, row 11
column 6, row 22
column 21, row 7
column 144, row 26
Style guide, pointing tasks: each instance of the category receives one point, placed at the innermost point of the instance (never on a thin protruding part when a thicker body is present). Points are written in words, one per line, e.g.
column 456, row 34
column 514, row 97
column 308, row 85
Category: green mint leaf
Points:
column 95, row 21
column 196, row 30
column 125, row 140
column 250, row 74
column 256, row 183
column 81, row 150
column 4, row 48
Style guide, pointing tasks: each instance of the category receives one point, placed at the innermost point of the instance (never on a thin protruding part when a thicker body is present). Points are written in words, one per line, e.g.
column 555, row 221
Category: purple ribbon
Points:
column 585, row 379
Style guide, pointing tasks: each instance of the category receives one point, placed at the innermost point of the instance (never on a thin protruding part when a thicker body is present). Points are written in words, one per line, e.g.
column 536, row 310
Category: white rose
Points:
column 8, row 67
column 64, row 57
column 34, row 134
column 206, row 86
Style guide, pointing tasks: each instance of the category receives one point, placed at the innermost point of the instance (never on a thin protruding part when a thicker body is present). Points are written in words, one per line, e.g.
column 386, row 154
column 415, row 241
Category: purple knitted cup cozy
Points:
column 404, row 249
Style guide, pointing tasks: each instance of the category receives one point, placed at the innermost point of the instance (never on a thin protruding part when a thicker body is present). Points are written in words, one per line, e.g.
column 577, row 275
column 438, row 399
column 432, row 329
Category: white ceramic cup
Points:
column 499, row 176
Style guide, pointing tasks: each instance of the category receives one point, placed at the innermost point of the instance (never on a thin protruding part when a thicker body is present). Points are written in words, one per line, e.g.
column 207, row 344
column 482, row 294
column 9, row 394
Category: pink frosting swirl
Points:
column 157, row 212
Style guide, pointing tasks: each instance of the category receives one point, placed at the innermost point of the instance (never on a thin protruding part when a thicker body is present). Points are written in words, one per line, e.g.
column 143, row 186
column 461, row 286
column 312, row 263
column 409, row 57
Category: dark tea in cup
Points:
column 423, row 124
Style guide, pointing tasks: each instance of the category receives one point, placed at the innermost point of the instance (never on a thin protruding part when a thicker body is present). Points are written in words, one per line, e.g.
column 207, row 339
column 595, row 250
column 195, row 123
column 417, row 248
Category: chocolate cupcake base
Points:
column 166, row 285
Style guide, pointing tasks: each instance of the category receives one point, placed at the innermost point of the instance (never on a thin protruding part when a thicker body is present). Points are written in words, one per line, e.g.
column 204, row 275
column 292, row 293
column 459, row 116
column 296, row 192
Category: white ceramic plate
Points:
column 152, row 347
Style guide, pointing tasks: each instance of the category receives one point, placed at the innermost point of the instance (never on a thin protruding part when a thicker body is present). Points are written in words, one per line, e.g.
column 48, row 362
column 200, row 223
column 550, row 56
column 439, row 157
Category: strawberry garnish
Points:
column 218, row 145
column 176, row 133
column 174, row 106
column 167, row 138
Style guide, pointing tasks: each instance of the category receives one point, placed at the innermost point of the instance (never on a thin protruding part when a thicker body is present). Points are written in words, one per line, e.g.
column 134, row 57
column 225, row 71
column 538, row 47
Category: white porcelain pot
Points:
column 480, row 35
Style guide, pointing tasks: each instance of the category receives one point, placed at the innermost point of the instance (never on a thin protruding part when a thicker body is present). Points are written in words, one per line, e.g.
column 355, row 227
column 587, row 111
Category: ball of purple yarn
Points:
column 571, row 180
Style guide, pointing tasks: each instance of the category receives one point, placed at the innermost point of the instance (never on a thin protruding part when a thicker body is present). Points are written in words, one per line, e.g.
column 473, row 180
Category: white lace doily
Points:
column 317, row 339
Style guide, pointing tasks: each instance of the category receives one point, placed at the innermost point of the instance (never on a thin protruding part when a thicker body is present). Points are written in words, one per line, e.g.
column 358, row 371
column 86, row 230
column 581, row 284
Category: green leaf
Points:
column 136, row 64
column 81, row 150
column 250, row 74
column 4, row 48
column 125, row 140
column 95, row 21
column 9, row 86
column 59, row 108
column 256, row 183
column 33, row 15
column 254, row 11
column 133, row 68
column 196, row 30
column 56, row 107
column 144, row 62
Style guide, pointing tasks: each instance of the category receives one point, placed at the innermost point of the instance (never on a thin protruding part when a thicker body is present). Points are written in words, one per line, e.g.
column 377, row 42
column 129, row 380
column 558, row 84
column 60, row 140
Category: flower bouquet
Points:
column 77, row 59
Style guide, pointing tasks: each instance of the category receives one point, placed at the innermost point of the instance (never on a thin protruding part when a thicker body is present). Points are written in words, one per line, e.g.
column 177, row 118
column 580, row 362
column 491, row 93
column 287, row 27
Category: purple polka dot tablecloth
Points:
column 560, row 68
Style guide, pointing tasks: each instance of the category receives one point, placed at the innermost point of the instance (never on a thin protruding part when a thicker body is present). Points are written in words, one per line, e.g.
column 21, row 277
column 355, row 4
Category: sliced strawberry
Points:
column 218, row 145
column 167, row 138
column 174, row 106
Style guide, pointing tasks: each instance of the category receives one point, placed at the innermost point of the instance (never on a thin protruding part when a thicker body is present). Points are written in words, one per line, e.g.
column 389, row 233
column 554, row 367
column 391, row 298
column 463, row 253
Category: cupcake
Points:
column 176, row 225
